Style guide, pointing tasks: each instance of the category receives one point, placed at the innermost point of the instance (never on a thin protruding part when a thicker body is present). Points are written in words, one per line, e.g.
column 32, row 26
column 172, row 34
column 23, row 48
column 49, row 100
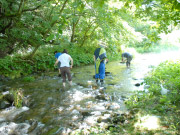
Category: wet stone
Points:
column 4, row 104
column 137, row 84
column 86, row 113
column 33, row 126
column 101, row 97
column 108, row 74
column 9, row 98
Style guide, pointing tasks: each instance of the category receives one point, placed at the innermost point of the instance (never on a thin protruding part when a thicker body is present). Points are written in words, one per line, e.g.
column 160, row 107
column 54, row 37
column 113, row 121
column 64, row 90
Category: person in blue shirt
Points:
column 57, row 54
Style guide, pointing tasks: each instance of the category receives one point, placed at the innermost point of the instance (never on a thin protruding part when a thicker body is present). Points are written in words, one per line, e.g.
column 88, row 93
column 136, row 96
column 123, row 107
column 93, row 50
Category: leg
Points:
column 69, row 75
column 129, row 61
column 96, row 75
column 126, row 64
column 63, row 73
column 59, row 73
column 102, row 72
column 59, row 64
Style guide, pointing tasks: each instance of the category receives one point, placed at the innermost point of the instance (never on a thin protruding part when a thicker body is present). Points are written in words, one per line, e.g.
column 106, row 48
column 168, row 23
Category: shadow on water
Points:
column 53, row 109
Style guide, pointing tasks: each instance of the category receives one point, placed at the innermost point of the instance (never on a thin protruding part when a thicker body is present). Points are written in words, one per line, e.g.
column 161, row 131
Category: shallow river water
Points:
column 50, row 109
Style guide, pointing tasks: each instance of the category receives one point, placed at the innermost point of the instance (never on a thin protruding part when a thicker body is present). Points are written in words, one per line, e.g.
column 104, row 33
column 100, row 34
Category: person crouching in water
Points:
column 65, row 66
column 100, row 59
column 128, row 57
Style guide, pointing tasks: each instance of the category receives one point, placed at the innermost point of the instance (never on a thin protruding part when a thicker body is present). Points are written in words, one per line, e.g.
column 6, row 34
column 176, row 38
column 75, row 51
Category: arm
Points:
column 106, row 60
column 94, row 58
column 71, row 61
column 56, row 62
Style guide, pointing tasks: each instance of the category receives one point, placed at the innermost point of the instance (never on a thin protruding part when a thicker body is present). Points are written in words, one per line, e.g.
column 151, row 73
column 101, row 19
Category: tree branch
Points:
column 21, row 4
column 32, row 9
column 46, row 32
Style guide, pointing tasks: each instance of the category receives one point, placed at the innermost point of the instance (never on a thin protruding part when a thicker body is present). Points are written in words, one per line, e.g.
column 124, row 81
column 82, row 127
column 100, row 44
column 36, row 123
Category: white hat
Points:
column 101, row 44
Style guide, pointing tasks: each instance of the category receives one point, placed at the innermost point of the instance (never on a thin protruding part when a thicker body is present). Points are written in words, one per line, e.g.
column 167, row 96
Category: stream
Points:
column 51, row 110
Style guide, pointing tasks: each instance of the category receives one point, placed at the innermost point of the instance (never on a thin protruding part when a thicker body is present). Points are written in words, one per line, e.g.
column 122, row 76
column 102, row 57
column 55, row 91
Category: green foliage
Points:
column 164, row 12
column 28, row 79
column 20, row 65
column 153, row 102
column 146, row 46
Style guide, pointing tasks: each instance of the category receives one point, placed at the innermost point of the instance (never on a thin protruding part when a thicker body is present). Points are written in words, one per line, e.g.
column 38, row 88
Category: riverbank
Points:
column 21, row 64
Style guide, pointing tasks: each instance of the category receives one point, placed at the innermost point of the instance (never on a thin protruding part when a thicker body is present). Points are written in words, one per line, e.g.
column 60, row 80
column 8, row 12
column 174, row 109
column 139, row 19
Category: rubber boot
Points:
column 102, row 82
column 96, row 80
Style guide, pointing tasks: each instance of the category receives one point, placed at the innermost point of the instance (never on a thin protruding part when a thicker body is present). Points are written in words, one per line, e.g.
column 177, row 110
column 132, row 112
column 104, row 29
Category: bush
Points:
column 43, row 61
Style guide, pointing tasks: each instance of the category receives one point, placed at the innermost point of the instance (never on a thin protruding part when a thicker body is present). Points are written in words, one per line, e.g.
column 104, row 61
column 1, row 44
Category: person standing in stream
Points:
column 65, row 66
column 100, row 60
column 57, row 54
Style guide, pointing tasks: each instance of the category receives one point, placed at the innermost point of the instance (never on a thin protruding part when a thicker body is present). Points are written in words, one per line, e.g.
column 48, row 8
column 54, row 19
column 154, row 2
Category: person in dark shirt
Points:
column 100, row 59
column 57, row 54
column 128, row 57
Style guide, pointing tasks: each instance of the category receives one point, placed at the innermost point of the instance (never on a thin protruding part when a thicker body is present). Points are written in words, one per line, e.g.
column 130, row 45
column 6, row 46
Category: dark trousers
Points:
column 65, row 71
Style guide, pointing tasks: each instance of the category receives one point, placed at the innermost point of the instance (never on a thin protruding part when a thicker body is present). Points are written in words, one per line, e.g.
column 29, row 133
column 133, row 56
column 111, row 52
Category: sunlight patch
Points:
column 148, row 122
column 78, row 96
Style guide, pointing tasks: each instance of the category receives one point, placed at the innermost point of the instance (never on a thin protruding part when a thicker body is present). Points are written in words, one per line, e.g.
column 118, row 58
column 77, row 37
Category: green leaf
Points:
column 51, row 37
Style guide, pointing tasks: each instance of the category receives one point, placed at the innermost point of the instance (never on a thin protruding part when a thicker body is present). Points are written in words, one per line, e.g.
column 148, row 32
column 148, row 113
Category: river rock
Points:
column 137, row 84
column 85, row 113
column 114, row 106
column 99, row 107
column 146, row 86
column 108, row 73
column 13, row 128
column 75, row 111
column 118, row 119
column 9, row 98
column 91, row 121
column 14, row 112
column 105, row 119
column 3, row 78
column 75, row 117
column 103, row 125
column 4, row 104
column 6, row 88
column 96, row 113
column 110, row 126
column 70, row 108
column 101, row 97
column 34, row 124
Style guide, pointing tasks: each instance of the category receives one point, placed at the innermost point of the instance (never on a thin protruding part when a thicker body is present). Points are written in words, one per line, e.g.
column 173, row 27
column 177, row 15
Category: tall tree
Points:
column 27, row 23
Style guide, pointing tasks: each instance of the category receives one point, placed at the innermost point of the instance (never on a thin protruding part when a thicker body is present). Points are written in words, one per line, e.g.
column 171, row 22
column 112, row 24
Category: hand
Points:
column 71, row 66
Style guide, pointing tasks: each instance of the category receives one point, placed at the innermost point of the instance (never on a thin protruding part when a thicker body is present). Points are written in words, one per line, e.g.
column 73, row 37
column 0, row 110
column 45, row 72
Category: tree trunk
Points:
column 34, row 51
column 73, row 29
column 85, row 34
column 46, row 32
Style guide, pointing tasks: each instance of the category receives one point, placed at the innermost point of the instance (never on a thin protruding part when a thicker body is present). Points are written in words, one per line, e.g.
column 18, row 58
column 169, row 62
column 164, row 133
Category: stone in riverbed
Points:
column 137, row 84
column 4, row 104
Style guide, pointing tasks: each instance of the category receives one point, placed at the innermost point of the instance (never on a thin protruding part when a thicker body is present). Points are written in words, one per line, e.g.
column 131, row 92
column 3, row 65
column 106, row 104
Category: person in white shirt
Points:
column 65, row 60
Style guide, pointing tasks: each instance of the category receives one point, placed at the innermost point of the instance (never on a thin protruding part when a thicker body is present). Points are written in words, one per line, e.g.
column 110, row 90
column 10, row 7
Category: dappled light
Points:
column 78, row 96
column 148, row 122
column 121, row 59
